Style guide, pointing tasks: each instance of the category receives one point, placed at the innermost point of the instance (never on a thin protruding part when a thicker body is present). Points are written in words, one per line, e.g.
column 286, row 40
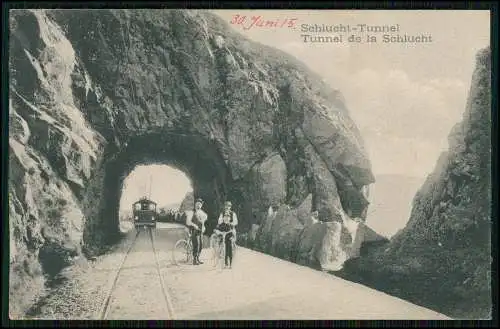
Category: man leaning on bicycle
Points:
column 227, row 224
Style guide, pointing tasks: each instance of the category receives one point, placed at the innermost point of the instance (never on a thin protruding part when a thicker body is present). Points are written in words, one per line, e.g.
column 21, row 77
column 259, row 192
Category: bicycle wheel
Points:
column 214, row 244
column 213, row 241
column 234, row 252
column 182, row 253
column 221, row 255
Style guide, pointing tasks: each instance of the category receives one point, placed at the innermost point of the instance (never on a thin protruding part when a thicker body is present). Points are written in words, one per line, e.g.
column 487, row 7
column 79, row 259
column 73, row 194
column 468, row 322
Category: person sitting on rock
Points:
column 314, row 217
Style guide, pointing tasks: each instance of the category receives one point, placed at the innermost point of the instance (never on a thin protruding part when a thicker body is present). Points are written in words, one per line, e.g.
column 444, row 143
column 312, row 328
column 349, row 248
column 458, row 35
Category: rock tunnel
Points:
column 199, row 157
column 94, row 93
column 244, row 121
column 191, row 154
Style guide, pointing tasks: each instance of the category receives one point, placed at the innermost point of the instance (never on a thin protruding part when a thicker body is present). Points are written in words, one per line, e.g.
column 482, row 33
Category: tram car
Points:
column 144, row 212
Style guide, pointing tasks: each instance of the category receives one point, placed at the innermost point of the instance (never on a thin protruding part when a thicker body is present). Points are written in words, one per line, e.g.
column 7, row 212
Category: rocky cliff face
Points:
column 291, row 234
column 442, row 258
column 94, row 93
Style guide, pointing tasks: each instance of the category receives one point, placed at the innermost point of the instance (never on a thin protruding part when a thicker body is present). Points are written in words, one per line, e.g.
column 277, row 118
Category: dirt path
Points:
column 263, row 287
column 258, row 287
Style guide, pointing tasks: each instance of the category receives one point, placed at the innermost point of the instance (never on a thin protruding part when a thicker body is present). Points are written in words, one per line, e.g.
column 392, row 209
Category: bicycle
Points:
column 182, row 253
column 218, row 247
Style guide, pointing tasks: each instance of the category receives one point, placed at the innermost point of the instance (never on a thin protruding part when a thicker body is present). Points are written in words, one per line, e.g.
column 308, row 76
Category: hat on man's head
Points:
column 199, row 200
column 228, row 203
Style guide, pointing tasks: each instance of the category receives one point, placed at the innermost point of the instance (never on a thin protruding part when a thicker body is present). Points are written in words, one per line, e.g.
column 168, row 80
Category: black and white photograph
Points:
column 249, row 164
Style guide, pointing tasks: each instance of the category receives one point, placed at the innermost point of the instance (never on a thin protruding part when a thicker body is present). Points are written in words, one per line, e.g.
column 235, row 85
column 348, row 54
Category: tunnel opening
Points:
column 167, row 186
column 192, row 154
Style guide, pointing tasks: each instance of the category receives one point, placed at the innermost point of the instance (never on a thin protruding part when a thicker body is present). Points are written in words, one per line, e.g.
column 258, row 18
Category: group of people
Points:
column 226, row 226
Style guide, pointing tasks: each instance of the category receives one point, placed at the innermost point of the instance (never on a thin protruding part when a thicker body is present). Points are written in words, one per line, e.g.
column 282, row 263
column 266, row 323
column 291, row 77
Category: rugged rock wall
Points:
column 291, row 234
column 95, row 92
column 442, row 258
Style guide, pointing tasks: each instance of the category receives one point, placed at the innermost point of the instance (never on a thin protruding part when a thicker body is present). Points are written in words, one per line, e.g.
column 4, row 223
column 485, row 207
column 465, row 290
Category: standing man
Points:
column 196, row 222
column 227, row 223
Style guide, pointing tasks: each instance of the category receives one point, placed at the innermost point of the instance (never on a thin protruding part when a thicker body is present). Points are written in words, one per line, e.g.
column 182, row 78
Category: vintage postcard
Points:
column 249, row 164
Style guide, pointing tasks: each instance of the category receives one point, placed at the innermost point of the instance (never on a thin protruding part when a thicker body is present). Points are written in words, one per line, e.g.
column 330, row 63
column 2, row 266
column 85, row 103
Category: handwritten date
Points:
column 247, row 22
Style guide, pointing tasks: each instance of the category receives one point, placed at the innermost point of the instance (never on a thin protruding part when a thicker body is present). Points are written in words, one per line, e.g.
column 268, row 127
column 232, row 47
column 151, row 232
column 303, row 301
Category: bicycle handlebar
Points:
column 223, row 234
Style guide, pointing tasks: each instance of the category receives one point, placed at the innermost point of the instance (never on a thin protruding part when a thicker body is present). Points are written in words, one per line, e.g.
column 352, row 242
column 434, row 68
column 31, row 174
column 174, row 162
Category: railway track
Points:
column 119, row 274
column 105, row 308
column 168, row 302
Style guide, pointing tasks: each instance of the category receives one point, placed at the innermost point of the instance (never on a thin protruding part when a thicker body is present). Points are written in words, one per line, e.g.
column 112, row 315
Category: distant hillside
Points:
column 391, row 199
column 187, row 203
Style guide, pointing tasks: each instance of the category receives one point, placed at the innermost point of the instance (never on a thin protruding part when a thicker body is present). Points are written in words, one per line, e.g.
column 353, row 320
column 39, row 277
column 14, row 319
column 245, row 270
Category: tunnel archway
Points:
column 168, row 187
column 189, row 153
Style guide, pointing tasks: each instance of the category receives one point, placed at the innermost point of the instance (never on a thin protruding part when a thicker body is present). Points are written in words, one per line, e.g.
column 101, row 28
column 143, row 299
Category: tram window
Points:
column 146, row 206
column 138, row 206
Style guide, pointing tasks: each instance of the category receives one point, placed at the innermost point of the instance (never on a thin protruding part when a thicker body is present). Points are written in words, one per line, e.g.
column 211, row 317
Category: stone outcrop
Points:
column 442, row 258
column 93, row 93
column 290, row 233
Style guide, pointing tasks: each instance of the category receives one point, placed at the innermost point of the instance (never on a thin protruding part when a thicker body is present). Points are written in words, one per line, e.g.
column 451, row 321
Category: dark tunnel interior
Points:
column 198, row 158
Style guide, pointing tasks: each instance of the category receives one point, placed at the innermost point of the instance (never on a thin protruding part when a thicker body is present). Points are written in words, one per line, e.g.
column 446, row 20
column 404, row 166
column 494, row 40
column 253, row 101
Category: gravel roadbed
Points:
column 84, row 287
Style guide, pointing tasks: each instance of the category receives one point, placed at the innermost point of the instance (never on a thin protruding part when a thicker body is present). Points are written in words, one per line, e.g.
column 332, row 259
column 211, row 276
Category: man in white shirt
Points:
column 228, row 215
column 195, row 221
column 227, row 223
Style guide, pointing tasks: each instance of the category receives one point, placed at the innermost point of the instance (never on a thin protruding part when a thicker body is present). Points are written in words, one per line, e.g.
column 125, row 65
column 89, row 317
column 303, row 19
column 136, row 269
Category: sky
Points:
column 404, row 98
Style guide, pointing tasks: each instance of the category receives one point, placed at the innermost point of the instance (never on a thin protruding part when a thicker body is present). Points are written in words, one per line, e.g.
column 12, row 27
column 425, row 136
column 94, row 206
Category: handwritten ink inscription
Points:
column 248, row 22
